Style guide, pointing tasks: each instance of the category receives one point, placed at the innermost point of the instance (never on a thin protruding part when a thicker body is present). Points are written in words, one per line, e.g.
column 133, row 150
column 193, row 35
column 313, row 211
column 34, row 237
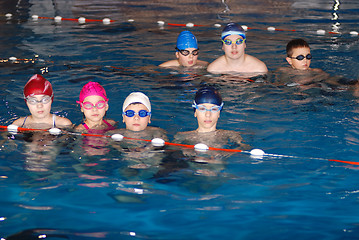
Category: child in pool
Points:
column 235, row 60
column 94, row 105
column 186, row 52
column 299, row 58
column 136, row 113
column 207, row 106
column 38, row 95
column 41, row 147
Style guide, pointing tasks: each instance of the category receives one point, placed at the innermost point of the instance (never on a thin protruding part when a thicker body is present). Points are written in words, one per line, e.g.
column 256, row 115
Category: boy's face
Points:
column 136, row 123
column 207, row 121
column 190, row 59
column 299, row 64
column 234, row 50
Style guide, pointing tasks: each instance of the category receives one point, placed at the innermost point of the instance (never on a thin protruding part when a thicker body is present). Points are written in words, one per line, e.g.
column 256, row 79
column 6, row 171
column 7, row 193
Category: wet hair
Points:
column 296, row 43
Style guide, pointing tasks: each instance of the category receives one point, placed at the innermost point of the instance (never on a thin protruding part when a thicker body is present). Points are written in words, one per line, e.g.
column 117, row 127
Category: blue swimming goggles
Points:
column 301, row 57
column 141, row 113
column 239, row 41
column 202, row 108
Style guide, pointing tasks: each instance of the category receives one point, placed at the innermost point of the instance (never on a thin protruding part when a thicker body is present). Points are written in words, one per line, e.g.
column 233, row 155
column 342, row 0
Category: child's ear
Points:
column 195, row 114
column 123, row 119
column 177, row 55
column 289, row 60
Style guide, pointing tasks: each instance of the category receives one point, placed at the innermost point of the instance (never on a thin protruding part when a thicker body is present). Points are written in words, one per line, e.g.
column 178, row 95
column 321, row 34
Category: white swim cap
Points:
column 137, row 97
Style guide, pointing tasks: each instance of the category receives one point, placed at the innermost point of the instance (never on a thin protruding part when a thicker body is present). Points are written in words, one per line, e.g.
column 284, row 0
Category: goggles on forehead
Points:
column 186, row 52
column 34, row 101
column 301, row 57
column 202, row 108
column 89, row 106
column 141, row 113
column 239, row 41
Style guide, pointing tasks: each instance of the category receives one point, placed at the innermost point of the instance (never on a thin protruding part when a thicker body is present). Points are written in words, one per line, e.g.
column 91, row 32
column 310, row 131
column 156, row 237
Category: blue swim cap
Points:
column 208, row 95
column 233, row 29
column 186, row 39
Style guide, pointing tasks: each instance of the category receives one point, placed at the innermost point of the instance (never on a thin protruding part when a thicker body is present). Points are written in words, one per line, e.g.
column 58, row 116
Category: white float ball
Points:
column 190, row 25
column 82, row 20
column 161, row 23
column 257, row 152
column 320, row 32
column 106, row 21
column 12, row 128
column 58, row 19
column 117, row 137
column 201, row 147
column 54, row 131
column 158, row 142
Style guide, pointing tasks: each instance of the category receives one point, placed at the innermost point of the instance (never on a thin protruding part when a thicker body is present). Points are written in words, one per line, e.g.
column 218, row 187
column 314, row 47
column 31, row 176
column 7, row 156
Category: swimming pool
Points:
column 90, row 197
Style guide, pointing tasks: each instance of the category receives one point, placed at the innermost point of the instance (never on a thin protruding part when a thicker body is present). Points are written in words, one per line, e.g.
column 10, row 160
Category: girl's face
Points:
column 39, row 106
column 94, row 108
column 207, row 120
column 136, row 123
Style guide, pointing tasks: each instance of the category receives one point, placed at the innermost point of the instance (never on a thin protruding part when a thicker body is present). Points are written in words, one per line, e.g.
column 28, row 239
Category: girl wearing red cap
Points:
column 38, row 95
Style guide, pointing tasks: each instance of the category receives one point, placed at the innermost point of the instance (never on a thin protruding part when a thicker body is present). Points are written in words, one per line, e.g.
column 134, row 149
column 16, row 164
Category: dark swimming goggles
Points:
column 141, row 113
column 301, row 57
column 186, row 52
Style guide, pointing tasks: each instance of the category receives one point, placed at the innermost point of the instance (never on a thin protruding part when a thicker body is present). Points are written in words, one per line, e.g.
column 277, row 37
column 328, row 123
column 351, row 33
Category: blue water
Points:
column 98, row 197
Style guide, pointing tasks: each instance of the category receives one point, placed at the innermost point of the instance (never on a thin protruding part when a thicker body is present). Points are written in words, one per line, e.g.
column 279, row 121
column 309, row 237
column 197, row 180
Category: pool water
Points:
column 52, row 187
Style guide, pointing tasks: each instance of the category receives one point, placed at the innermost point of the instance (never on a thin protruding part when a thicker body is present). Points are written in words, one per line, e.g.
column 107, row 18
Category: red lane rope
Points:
column 177, row 144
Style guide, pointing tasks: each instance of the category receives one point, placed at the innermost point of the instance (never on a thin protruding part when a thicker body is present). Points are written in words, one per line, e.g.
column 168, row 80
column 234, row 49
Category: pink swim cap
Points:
column 92, row 89
column 38, row 85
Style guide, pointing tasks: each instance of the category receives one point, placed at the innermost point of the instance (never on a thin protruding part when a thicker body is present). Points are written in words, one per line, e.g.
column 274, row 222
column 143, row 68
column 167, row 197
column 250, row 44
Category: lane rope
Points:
column 158, row 142
column 106, row 21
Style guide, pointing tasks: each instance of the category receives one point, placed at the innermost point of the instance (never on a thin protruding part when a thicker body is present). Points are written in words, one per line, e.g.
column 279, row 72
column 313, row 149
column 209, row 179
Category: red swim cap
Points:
column 38, row 85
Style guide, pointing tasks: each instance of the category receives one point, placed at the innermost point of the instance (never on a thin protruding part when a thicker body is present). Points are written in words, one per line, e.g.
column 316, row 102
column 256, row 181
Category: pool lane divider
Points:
column 158, row 142
column 106, row 21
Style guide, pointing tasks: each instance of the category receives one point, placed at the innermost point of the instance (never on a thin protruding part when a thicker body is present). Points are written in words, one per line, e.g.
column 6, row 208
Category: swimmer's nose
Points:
column 208, row 113
column 136, row 117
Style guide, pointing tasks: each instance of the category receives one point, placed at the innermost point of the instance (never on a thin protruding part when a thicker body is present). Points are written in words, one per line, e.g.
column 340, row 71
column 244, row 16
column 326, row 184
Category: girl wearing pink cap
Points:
column 38, row 95
column 94, row 105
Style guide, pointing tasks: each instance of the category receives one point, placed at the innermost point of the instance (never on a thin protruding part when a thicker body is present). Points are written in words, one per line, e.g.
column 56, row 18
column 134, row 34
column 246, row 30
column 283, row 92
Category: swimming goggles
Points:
column 34, row 101
column 301, row 57
column 239, row 41
column 202, row 108
column 89, row 106
column 186, row 52
column 141, row 113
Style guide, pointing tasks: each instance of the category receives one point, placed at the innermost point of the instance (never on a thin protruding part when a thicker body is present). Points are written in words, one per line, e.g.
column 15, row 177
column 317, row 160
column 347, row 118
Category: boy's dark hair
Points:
column 296, row 43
